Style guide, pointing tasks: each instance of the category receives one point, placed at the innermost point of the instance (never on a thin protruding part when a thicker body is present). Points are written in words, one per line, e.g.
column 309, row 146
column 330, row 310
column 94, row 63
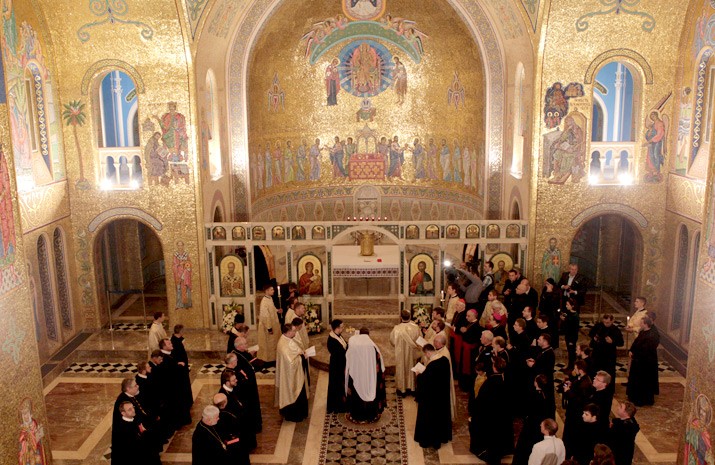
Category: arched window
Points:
column 613, row 129
column 517, row 159
column 680, row 294
column 212, row 127
column 48, row 298
column 118, row 111
column 61, row 273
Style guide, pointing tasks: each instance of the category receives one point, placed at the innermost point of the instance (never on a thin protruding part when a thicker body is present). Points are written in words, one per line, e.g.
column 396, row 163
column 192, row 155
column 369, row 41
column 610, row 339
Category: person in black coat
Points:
column 550, row 300
column 490, row 430
column 543, row 361
column 130, row 444
column 605, row 340
column 590, row 432
column 622, row 434
column 539, row 407
column 207, row 446
column 229, row 387
column 434, row 412
column 247, row 383
column 572, row 286
column 576, row 392
column 229, row 429
column 570, row 325
column 336, row 371
column 643, row 374
column 186, row 398
column 602, row 395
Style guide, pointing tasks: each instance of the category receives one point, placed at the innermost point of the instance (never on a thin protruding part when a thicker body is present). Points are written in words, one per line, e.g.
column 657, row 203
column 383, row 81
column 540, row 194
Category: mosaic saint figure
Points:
column 156, row 156
column 431, row 161
column 301, row 161
column 260, row 168
column 365, row 69
column 277, row 164
column 445, row 158
column 32, row 451
column 332, row 82
column 182, row 276
column 173, row 133
column 269, row 167
column 399, row 80
column 698, row 445
column 457, row 162
column 337, row 152
column 7, row 218
column 350, row 150
column 397, row 158
column 289, row 163
column 315, row 161
column 655, row 137
column 467, row 165
column 551, row 261
column 418, row 158
column 567, row 152
column 383, row 148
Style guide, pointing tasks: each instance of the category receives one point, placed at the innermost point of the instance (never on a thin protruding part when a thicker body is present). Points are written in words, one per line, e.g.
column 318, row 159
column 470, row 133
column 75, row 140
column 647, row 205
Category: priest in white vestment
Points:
column 364, row 379
column 291, row 394
column 157, row 332
column 301, row 336
column 269, row 328
column 404, row 338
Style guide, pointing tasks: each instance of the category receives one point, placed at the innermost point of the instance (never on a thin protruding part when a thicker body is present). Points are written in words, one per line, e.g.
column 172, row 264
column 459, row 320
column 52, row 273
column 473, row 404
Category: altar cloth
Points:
column 348, row 263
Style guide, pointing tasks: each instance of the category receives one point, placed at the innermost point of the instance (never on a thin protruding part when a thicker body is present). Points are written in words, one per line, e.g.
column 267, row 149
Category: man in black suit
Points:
column 572, row 285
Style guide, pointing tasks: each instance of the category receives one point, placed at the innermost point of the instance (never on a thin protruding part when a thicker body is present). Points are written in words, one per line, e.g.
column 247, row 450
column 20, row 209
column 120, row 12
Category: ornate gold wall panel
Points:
column 152, row 43
column 44, row 205
column 686, row 197
column 567, row 60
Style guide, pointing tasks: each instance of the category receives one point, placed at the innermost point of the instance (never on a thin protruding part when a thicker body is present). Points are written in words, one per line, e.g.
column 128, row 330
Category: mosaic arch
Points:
column 124, row 212
column 605, row 208
column 484, row 35
column 622, row 54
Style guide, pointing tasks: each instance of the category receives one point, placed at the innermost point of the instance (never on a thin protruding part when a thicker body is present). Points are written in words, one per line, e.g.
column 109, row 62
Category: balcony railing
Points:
column 612, row 163
column 121, row 167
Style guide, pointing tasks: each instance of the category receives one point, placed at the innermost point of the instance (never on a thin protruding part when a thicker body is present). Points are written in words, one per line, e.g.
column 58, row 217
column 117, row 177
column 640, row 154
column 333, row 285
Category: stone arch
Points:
column 484, row 35
column 124, row 212
column 613, row 208
column 107, row 65
column 625, row 54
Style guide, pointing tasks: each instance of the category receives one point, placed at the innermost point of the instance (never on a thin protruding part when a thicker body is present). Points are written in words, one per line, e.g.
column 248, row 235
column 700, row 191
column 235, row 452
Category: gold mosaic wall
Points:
column 152, row 51
column 566, row 57
column 279, row 68
column 20, row 379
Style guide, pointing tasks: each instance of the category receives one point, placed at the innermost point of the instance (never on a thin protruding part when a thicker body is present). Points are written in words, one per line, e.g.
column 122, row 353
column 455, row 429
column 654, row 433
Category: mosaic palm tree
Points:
column 74, row 116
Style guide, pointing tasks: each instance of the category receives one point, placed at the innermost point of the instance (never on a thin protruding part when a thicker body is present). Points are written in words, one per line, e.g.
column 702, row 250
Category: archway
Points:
column 609, row 252
column 131, row 273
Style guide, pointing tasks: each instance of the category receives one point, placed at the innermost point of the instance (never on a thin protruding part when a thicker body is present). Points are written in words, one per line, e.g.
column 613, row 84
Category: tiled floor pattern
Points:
column 382, row 442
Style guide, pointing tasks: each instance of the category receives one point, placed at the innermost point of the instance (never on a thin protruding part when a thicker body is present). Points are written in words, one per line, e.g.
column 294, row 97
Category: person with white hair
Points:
column 207, row 447
column 247, row 384
column 364, row 379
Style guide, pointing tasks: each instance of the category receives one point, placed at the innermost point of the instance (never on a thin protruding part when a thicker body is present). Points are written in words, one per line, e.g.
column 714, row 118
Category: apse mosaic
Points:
column 373, row 93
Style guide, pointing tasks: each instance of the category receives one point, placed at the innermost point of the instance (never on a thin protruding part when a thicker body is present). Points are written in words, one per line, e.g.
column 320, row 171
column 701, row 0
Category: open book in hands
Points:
column 419, row 368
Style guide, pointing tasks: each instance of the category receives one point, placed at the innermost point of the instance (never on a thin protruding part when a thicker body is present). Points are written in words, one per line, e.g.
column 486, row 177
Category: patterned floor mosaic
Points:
column 217, row 368
column 379, row 443
column 129, row 327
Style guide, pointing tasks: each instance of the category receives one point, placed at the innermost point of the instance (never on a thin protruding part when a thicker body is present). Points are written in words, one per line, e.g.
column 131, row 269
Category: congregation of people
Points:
column 495, row 343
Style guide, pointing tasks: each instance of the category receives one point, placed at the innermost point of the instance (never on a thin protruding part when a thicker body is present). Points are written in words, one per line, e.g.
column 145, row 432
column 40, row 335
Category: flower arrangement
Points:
column 422, row 314
column 312, row 318
column 229, row 314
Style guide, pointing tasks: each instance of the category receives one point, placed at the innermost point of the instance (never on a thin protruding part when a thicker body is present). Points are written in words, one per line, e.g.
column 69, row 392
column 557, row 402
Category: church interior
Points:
column 179, row 155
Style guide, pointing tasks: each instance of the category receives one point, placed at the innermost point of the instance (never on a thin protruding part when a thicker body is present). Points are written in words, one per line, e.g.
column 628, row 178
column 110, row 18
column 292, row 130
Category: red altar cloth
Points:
column 367, row 166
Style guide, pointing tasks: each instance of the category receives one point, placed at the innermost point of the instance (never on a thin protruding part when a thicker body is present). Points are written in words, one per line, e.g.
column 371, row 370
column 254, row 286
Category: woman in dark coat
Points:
column 336, row 380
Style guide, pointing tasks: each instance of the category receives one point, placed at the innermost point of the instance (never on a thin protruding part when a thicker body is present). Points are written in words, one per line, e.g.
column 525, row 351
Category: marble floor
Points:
column 79, row 404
